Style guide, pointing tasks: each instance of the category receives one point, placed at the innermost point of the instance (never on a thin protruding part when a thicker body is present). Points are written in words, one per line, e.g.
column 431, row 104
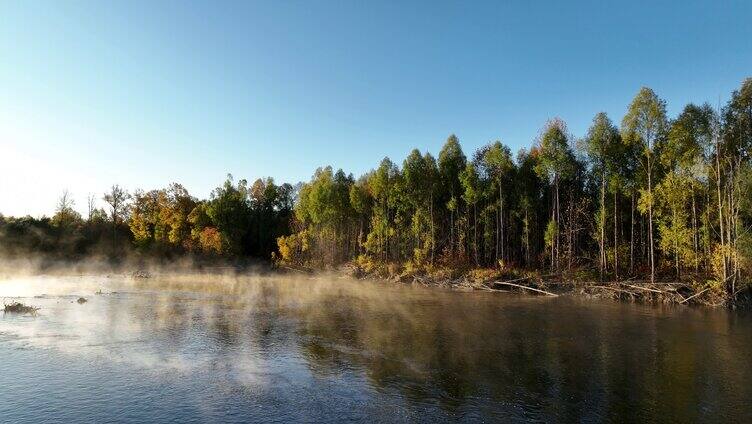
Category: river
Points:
column 269, row 349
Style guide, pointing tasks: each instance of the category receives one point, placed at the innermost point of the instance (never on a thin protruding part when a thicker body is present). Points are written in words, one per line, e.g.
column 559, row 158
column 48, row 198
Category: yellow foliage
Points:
column 293, row 248
column 716, row 262
column 210, row 240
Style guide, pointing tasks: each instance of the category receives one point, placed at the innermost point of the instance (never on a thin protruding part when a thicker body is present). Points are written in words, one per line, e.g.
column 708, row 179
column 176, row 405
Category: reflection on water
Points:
column 252, row 348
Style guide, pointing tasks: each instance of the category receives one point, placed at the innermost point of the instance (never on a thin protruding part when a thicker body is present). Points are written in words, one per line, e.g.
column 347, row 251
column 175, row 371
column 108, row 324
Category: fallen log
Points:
column 694, row 295
column 512, row 281
column 645, row 288
column 507, row 283
column 485, row 288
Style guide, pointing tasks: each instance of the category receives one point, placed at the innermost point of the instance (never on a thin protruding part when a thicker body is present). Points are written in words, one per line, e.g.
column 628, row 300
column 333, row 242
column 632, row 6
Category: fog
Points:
column 154, row 322
column 449, row 352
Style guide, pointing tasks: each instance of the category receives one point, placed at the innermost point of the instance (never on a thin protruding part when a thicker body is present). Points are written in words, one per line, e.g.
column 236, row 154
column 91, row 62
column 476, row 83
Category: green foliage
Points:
column 555, row 160
column 645, row 121
column 603, row 144
column 360, row 199
column 470, row 184
column 496, row 160
column 690, row 138
column 673, row 218
column 550, row 235
column 737, row 119
column 229, row 210
column 645, row 201
column 451, row 163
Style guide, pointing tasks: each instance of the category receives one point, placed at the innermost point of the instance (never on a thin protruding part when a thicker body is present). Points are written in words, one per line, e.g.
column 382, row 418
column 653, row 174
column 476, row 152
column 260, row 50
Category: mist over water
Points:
column 239, row 348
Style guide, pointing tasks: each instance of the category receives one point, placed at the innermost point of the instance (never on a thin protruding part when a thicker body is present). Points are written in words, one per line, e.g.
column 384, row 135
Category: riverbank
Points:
column 692, row 290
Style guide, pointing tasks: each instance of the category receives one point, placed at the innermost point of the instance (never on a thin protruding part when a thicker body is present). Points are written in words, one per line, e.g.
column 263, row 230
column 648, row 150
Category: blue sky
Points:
column 146, row 93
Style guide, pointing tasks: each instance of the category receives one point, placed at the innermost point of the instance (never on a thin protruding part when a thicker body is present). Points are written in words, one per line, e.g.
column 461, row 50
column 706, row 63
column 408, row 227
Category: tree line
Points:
column 238, row 220
column 650, row 196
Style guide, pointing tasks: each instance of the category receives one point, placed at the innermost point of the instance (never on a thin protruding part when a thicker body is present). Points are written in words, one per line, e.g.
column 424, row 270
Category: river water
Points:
column 264, row 349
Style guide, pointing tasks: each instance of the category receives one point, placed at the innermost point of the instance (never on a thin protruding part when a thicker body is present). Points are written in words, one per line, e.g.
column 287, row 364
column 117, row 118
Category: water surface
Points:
column 249, row 349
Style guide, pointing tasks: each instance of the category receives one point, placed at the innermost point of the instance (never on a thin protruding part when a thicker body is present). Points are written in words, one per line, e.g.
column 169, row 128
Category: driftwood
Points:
column 645, row 288
column 507, row 283
column 512, row 281
column 694, row 295
column 485, row 288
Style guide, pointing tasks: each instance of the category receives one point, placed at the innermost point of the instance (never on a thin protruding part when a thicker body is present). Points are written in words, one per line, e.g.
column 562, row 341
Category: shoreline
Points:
column 688, row 293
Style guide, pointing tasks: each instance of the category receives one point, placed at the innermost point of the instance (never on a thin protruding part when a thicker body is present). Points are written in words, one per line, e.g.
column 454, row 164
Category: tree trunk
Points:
column 433, row 234
column 720, row 207
column 570, row 233
column 475, row 232
column 503, row 256
column 631, row 237
column 451, row 232
column 527, row 238
column 500, row 228
column 616, row 241
column 695, row 238
column 558, row 221
column 650, row 223
column 603, row 226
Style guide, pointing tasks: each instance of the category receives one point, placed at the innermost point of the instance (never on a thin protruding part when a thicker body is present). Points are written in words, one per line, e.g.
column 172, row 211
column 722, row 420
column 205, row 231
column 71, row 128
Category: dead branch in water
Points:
column 646, row 288
column 694, row 295
column 507, row 283
column 512, row 281
column 485, row 288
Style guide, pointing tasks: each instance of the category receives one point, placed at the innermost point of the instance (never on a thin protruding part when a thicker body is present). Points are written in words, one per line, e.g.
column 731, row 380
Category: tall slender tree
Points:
column 555, row 163
column 497, row 159
column 451, row 162
column 644, row 125
column 601, row 143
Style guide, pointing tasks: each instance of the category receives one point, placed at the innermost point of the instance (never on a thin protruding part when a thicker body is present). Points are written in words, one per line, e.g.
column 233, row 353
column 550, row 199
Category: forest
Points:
column 649, row 196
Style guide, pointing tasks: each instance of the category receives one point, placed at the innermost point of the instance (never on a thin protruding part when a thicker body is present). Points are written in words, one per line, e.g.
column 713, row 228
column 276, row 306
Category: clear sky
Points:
column 146, row 93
